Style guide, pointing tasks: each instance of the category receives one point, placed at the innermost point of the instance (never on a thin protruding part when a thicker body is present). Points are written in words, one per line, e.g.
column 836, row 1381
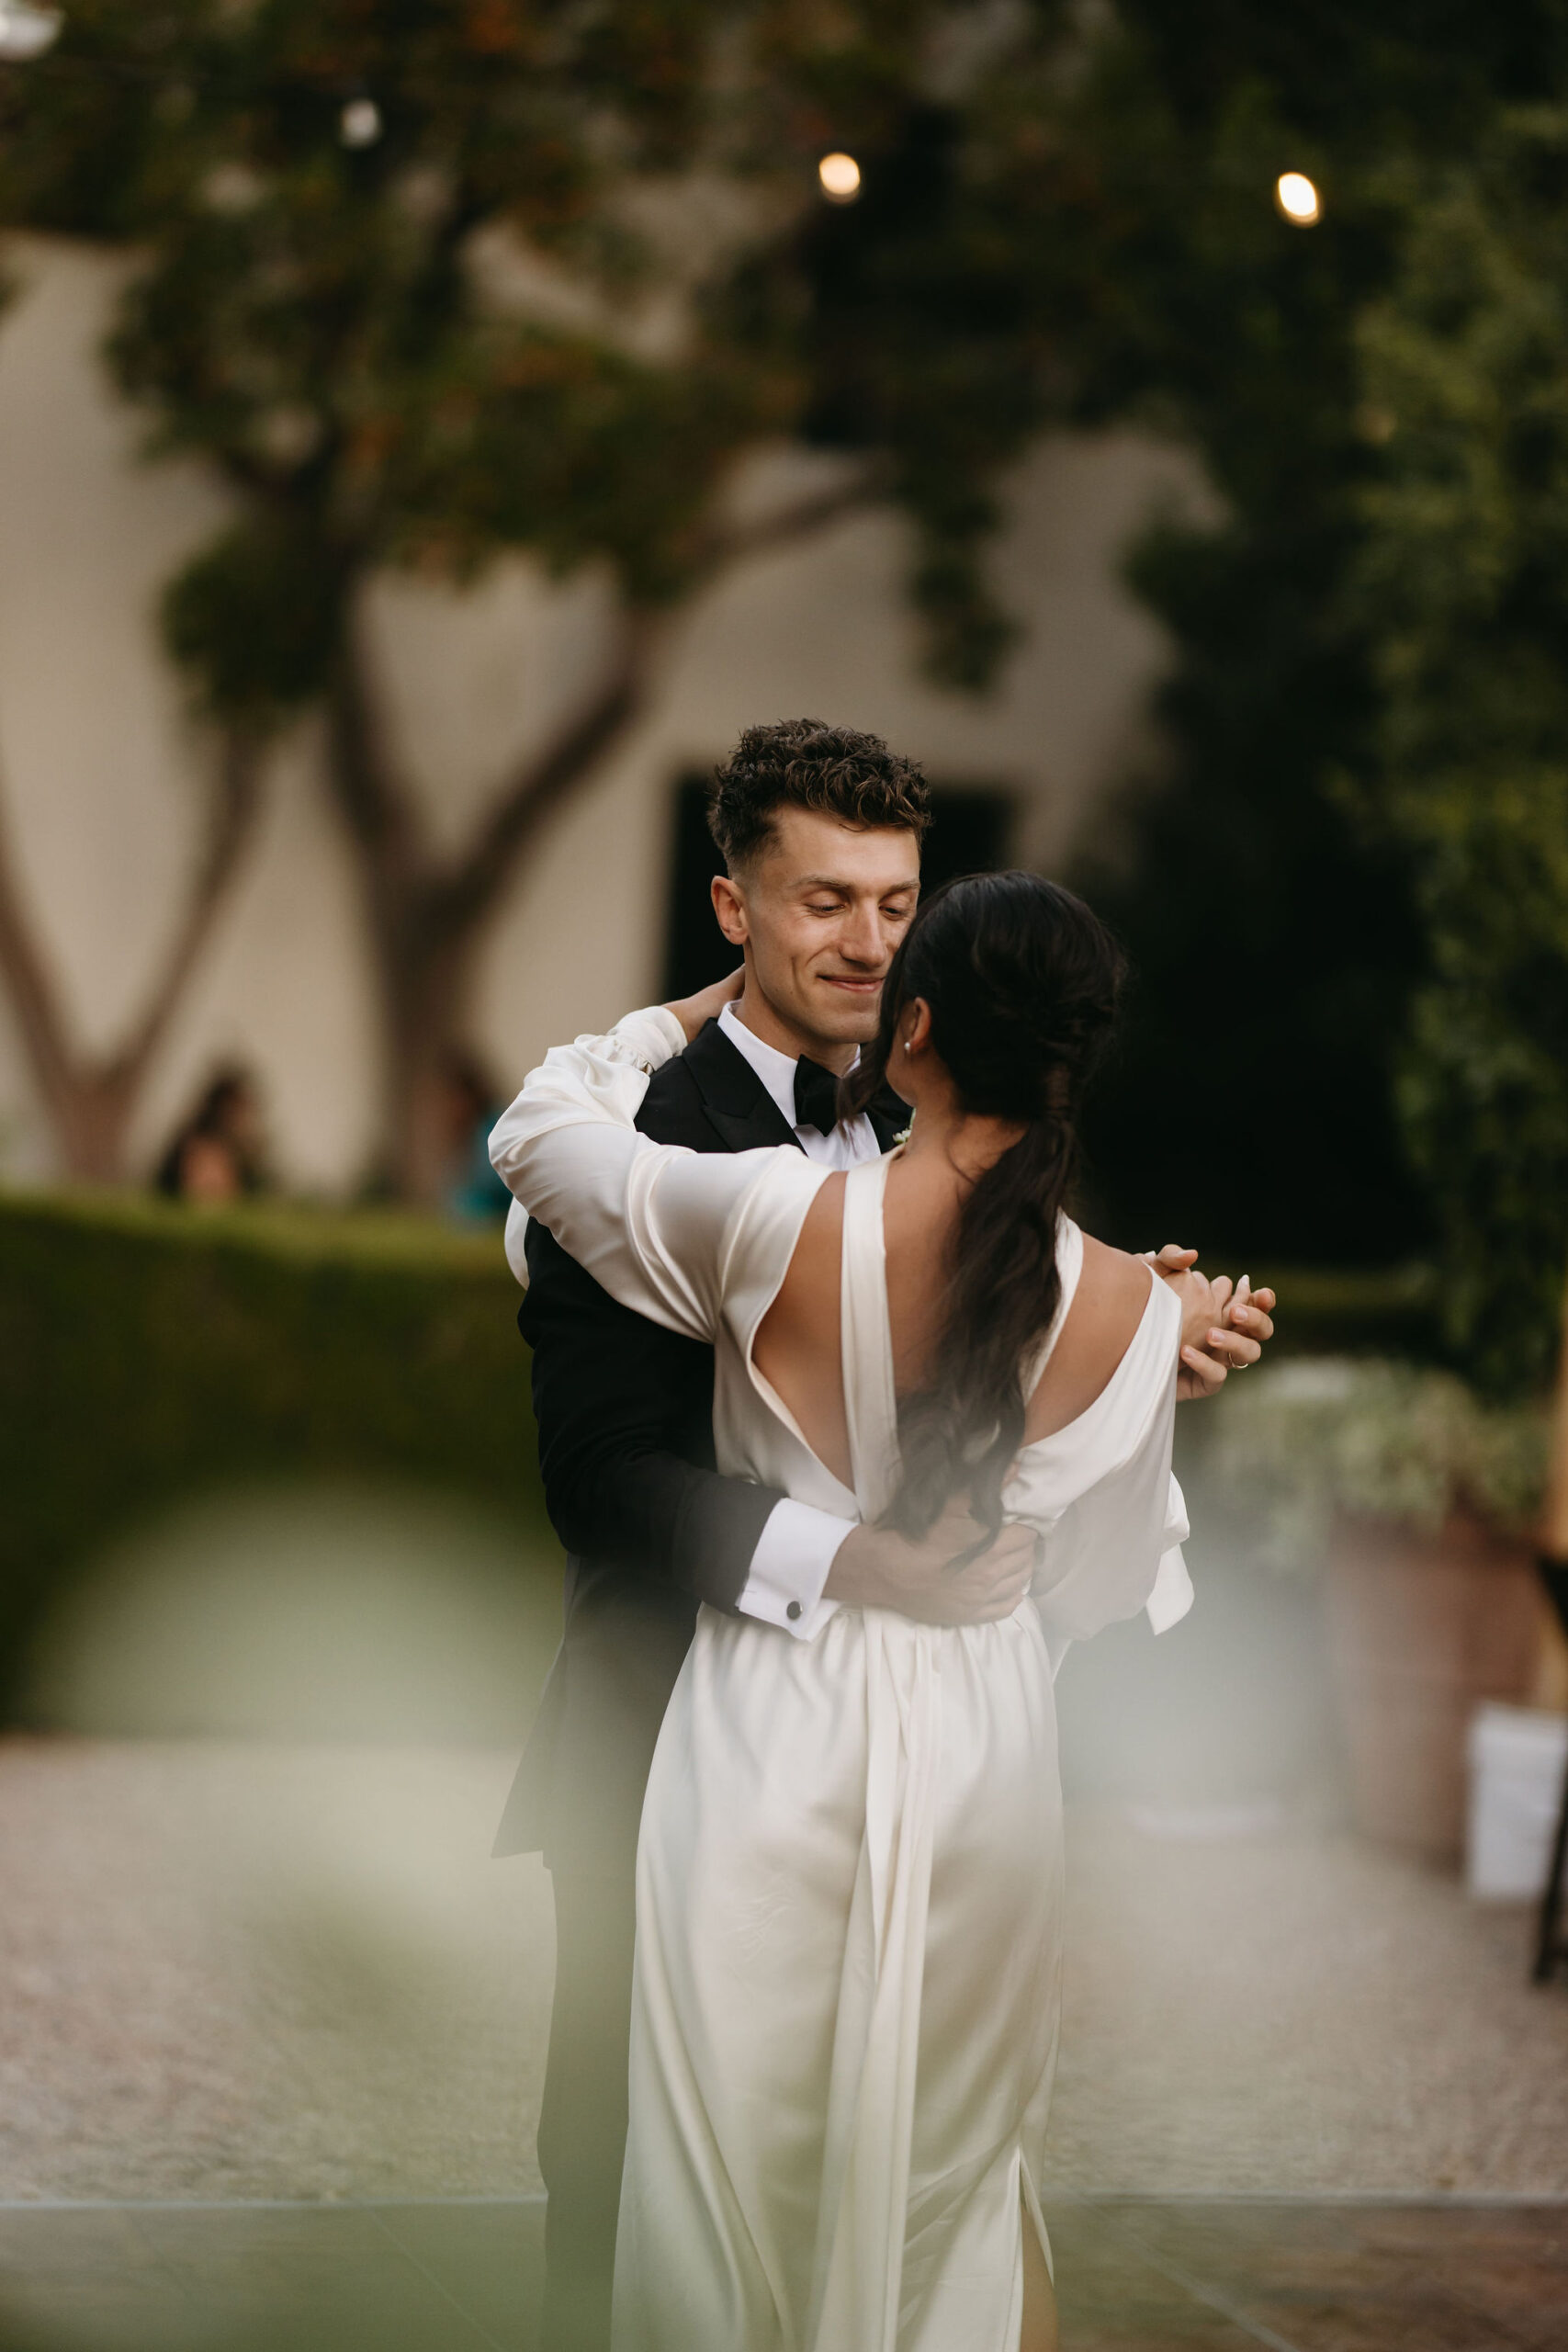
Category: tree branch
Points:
column 89, row 1098
column 807, row 516
column 472, row 885
column 381, row 814
column 30, row 986
column 232, row 822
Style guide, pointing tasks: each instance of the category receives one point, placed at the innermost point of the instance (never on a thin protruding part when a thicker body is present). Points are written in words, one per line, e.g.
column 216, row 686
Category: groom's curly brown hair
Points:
column 806, row 764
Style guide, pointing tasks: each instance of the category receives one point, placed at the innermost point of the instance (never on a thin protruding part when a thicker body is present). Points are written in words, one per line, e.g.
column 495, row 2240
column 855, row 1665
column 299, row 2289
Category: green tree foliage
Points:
column 430, row 280
column 309, row 315
column 1462, row 586
column 1378, row 1034
column 1061, row 217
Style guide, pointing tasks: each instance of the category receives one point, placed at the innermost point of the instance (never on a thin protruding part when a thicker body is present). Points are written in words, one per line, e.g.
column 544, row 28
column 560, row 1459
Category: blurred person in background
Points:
column 474, row 1194
column 218, row 1152
column 820, row 830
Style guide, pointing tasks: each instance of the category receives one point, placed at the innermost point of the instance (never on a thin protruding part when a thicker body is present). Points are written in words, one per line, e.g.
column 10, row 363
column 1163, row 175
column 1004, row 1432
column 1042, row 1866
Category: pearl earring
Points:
column 906, row 1045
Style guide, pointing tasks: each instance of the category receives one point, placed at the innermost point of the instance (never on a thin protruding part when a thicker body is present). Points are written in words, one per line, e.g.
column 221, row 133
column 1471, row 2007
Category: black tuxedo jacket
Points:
column 650, row 1528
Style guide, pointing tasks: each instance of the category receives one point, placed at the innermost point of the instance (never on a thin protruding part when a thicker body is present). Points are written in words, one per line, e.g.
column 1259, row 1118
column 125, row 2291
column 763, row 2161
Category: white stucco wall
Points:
column 101, row 769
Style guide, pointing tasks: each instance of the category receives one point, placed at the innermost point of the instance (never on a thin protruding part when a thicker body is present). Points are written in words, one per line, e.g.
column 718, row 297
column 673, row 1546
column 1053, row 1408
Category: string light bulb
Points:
column 26, row 32
column 1297, row 198
column 840, row 175
column 359, row 124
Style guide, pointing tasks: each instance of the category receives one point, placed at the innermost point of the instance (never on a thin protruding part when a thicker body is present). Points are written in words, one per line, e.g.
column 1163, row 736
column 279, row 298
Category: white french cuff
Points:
column 516, row 1241
column 790, row 1567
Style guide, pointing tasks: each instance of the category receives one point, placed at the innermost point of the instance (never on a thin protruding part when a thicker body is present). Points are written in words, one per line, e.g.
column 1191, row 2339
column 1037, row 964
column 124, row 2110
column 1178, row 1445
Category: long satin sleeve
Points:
column 1110, row 1514
column 647, row 1220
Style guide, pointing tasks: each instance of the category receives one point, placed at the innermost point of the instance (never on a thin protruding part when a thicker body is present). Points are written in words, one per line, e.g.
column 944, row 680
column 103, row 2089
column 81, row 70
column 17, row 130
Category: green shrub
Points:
column 1377, row 1440
column 1355, row 1311
column 149, row 1351
column 1461, row 587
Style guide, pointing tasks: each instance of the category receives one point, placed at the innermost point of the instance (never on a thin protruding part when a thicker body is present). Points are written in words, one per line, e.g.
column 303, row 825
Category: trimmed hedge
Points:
column 1392, row 1311
column 149, row 1350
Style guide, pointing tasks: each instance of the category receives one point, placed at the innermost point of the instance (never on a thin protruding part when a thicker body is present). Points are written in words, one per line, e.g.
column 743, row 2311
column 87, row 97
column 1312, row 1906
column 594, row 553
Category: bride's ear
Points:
column 913, row 1033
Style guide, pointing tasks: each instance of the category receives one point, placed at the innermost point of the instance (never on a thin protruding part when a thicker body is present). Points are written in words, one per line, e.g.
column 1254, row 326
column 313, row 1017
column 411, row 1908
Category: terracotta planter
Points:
column 1421, row 1629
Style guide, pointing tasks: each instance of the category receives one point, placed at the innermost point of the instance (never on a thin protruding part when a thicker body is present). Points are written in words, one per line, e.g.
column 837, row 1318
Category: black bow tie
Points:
column 816, row 1096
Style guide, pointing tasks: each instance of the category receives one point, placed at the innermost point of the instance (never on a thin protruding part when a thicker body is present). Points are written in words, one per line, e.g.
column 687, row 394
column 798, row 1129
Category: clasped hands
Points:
column 1224, row 1327
column 1223, row 1324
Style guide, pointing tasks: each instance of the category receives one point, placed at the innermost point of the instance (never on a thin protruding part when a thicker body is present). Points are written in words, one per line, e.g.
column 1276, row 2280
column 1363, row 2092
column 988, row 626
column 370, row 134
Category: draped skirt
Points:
column 847, row 1991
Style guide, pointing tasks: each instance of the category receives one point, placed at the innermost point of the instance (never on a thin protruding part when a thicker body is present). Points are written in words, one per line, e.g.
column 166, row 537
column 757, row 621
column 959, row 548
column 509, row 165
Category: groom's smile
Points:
column 820, row 910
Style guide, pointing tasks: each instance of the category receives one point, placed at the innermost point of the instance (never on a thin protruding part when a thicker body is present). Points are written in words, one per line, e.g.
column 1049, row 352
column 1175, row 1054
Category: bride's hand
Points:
column 1203, row 1303
column 694, row 1013
column 1219, row 1320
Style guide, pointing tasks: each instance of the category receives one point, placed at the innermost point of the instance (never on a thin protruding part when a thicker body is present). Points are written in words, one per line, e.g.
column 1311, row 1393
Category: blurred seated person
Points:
column 474, row 1194
column 217, row 1154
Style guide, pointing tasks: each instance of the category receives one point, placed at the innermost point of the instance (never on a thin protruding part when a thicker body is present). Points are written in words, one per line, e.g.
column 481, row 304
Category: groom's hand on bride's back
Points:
column 875, row 1568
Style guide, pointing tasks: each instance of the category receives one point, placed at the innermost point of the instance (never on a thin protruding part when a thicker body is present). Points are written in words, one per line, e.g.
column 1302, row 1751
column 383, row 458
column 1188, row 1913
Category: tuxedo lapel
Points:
column 736, row 1103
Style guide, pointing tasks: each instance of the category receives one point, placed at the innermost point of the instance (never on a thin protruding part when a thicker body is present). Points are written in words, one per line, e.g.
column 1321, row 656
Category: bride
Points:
column 848, row 1897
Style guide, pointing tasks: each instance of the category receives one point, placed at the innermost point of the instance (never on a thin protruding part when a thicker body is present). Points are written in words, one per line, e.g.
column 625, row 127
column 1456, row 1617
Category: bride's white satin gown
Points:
column 849, row 1921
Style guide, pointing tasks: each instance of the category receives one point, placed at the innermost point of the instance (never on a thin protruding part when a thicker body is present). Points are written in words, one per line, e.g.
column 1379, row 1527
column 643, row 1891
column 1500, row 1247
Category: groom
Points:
column 819, row 829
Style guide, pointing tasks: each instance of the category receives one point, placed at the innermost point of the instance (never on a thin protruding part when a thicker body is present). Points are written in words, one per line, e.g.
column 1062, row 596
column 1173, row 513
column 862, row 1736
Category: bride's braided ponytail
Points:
column 1022, row 981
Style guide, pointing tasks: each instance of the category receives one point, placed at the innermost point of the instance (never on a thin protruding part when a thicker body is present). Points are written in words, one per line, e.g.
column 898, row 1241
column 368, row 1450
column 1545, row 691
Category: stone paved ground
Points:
column 1224, row 2276
column 1293, row 2011
column 231, row 1972
column 1205, row 2276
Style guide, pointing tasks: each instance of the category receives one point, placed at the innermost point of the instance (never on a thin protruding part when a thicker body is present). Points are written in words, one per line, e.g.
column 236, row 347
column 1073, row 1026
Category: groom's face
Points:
column 820, row 912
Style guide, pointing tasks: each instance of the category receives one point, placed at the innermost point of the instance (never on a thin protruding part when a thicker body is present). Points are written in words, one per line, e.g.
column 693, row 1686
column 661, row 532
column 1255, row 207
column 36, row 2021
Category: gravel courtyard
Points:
column 262, row 1972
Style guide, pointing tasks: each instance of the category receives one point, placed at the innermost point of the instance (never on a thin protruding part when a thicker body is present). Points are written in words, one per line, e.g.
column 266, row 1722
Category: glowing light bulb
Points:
column 359, row 124
column 840, row 175
column 26, row 32
column 1297, row 198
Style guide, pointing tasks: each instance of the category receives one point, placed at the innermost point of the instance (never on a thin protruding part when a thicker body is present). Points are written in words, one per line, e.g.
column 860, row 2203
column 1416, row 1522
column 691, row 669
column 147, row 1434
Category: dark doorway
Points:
column 971, row 833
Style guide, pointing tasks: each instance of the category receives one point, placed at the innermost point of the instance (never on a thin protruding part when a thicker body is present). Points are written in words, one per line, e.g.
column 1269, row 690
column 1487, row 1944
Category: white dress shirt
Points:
column 851, row 1140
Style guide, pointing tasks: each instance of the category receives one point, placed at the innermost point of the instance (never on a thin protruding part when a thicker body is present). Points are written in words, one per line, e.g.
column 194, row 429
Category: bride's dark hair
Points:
column 1022, row 980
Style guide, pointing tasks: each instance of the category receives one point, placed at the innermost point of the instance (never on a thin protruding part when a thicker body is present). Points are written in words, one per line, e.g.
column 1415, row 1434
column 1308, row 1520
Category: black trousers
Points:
column 583, row 2122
